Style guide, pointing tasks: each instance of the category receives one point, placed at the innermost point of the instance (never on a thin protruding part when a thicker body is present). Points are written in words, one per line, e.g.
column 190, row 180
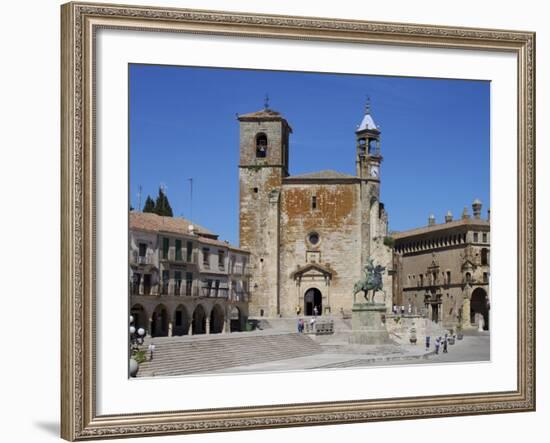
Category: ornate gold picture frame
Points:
column 80, row 23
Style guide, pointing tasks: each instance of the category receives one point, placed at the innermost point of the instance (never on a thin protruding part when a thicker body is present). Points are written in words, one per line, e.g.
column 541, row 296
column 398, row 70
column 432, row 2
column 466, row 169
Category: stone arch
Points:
column 159, row 321
column 199, row 320
column 235, row 319
column 313, row 297
column 479, row 304
column 261, row 145
column 140, row 316
column 181, row 320
column 216, row 319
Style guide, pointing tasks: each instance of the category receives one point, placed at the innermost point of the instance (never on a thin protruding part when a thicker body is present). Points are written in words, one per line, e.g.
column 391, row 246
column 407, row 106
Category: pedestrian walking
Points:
column 302, row 326
column 312, row 324
column 315, row 311
column 437, row 343
column 427, row 342
column 445, row 344
column 298, row 325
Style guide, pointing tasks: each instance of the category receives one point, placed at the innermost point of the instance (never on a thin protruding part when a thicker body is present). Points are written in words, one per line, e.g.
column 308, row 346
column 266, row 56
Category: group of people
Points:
column 440, row 342
column 301, row 322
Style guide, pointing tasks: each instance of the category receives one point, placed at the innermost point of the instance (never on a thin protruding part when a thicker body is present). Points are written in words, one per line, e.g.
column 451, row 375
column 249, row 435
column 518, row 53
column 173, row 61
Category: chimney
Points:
column 465, row 215
column 476, row 207
column 448, row 217
column 431, row 220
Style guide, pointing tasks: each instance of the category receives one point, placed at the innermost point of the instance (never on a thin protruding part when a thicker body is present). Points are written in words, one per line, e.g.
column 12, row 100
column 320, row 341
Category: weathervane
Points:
column 367, row 105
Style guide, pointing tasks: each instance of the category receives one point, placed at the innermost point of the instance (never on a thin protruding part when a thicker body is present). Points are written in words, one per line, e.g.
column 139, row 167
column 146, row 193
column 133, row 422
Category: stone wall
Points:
column 259, row 231
column 337, row 221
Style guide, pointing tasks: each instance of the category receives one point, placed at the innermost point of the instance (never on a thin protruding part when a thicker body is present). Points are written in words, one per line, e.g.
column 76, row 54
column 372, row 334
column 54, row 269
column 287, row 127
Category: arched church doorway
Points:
column 313, row 299
column 479, row 304
column 199, row 320
column 159, row 323
column 216, row 320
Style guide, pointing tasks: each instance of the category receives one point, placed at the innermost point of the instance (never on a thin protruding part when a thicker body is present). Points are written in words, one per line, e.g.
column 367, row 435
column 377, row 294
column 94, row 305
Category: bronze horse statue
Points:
column 371, row 281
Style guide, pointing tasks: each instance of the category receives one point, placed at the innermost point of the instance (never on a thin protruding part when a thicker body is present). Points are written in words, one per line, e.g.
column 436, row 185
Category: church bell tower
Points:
column 264, row 137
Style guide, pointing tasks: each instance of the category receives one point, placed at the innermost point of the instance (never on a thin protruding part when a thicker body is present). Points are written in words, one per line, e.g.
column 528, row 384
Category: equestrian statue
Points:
column 371, row 281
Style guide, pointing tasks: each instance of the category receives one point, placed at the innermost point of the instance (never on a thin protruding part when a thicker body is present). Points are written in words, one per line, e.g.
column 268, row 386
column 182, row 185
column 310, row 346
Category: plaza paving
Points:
column 278, row 349
column 475, row 346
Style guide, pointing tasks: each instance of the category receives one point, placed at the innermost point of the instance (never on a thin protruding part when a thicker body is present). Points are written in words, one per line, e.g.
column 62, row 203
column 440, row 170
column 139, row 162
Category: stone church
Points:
column 309, row 235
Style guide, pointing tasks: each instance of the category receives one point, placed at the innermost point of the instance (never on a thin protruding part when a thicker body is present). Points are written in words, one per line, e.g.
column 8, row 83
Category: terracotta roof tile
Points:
column 153, row 222
column 221, row 243
column 147, row 221
column 264, row 113
column 324, row 174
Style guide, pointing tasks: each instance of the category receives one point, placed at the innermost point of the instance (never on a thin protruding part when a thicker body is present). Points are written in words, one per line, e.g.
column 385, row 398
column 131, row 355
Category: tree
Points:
column 162, row 205
column 389, row 242
column 149, row 205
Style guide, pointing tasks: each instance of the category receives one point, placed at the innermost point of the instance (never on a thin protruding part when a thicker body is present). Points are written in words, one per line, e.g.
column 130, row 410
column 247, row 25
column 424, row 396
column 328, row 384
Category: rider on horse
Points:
column 372, row 280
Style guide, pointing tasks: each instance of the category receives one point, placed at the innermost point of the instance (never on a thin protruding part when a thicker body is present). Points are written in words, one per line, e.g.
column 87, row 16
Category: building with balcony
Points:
column 184, row 279
column 443, row 270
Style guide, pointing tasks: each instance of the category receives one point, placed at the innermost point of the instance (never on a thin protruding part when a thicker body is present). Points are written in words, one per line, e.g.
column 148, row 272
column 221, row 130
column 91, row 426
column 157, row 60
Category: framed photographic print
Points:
column 283, row 221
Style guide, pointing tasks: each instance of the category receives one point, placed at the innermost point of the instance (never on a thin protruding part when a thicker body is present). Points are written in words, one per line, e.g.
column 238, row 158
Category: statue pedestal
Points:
column 366, row 324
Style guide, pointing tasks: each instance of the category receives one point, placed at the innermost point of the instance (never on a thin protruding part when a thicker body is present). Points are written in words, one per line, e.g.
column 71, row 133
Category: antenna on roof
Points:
column 191, row 198
column 139, row 199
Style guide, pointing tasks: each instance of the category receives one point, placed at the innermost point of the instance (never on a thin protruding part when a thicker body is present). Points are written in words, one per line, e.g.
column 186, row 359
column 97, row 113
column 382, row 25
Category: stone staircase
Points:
column 200, row 354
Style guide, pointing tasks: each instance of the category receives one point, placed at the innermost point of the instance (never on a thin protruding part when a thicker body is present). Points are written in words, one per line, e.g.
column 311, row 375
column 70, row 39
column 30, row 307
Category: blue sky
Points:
column 435, row 137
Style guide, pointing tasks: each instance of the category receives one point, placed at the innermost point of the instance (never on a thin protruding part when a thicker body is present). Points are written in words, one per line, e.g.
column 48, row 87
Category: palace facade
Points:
column 443, row 270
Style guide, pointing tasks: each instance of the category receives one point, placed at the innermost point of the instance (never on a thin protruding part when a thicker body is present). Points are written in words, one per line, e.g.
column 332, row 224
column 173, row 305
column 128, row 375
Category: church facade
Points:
column 309, row 235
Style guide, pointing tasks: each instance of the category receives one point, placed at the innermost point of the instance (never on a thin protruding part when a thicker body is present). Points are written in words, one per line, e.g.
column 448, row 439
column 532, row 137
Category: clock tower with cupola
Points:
column 368, row 161
column 368, row 148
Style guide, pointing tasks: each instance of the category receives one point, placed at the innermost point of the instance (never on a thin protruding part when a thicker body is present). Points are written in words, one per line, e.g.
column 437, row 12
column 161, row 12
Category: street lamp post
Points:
column 136, row 340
